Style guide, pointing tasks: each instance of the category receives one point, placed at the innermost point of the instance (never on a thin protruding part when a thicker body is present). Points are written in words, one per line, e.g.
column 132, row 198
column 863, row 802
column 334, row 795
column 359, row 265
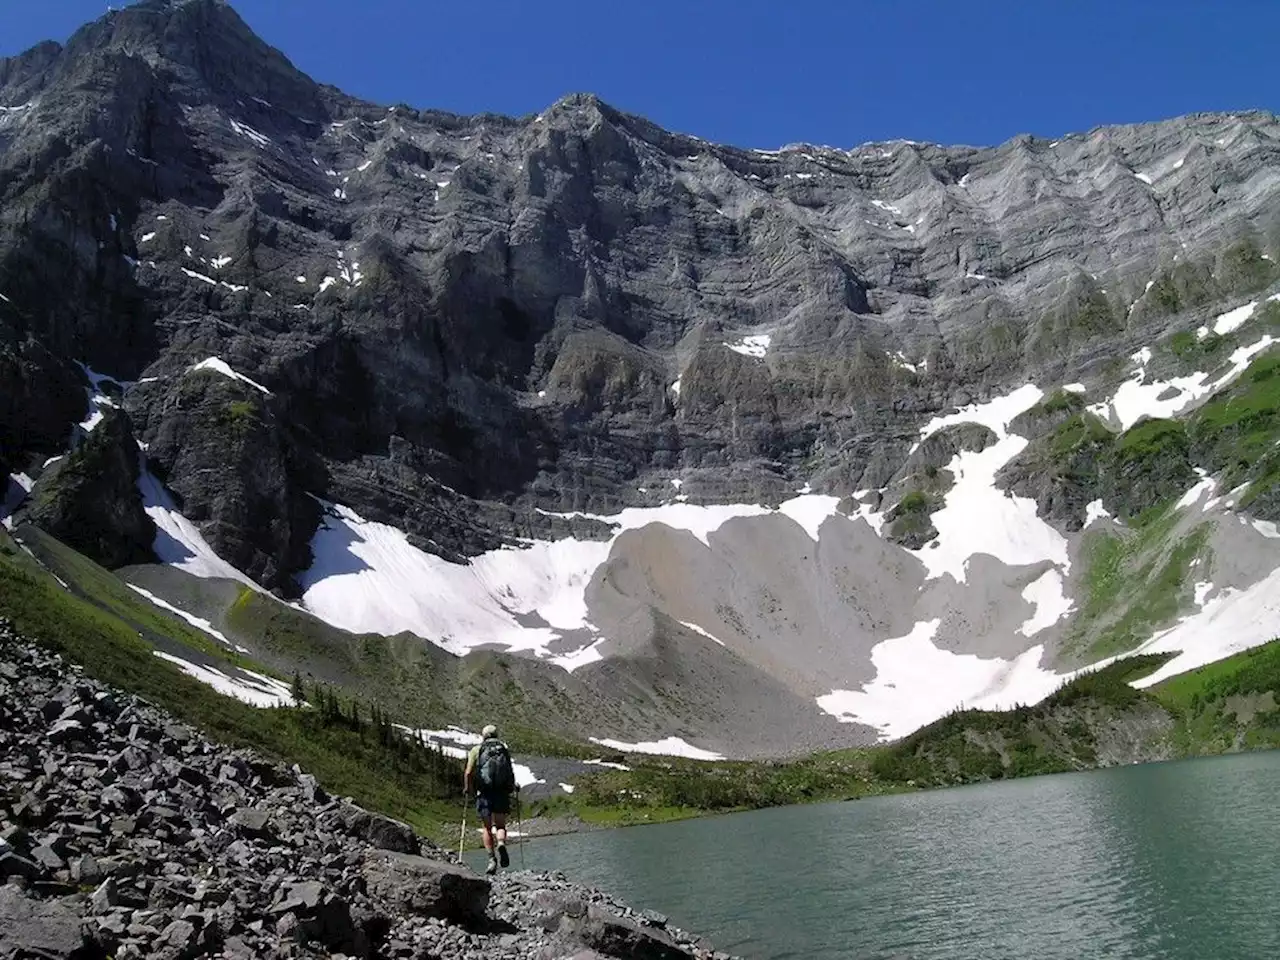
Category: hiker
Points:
column 495, row 779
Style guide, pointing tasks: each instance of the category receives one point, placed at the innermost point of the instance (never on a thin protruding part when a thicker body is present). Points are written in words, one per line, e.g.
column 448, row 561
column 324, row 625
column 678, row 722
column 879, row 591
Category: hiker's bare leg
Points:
column 487, row 828
column 500, row 826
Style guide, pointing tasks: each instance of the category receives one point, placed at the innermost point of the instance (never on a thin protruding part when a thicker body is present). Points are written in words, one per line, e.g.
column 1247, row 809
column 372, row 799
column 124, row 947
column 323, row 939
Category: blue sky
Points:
column 762, row 74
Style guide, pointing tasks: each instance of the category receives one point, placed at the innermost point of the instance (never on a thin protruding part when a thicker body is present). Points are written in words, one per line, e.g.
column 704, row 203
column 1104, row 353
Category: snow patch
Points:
column 200, row 276
column 147, row 237
column 917, row 683
column 218, row 365
column 977, row 516
column 756, row 345
column 1229, row 623
column 1075, row 388
column 702, row 633
column 900, row 360
column 1234, row 319
column 567, row 787
column 810, row 511
column 1050, row 601
column 99, row 401
column 219, row 263
column 579, row 658
column 1095, row 511
column 367, row 577
column 17, row 486
column 1135, row 399
column 606, row 763
column 525, row 777
column 668, row 747
column 1197, row 493
column 249, row 133
column 252, row 688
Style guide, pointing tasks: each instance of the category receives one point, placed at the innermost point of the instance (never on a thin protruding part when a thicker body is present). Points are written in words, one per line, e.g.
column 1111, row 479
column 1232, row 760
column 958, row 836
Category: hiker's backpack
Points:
column 494, row 764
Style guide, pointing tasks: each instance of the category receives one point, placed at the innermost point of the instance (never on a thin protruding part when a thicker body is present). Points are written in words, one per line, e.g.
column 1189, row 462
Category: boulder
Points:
column 310, row 913
column 43, row 928
column 576, row 921
column 425, row 887
column 376, row 830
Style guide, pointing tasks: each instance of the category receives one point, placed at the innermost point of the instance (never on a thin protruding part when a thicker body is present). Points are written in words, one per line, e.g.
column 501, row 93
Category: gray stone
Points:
column 105, row 897
column 610, row 934
column 311, row 789
column 252, row 823
column 41, row 928
column 85, row 870
column 66, row 731
column 378, row 831
column 428, row 888
column 48, row 858
column 180, row 934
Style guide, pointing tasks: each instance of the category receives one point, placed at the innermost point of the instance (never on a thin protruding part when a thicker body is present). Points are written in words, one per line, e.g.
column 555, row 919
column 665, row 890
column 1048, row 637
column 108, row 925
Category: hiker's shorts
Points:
column 487, row 805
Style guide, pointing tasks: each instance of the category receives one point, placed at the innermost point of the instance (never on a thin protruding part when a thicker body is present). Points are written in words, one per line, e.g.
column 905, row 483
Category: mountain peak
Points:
column 205, row 42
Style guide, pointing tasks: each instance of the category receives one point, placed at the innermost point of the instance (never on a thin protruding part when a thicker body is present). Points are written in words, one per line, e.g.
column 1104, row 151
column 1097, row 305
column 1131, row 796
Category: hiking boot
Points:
column 492, row 868
column 502, row 856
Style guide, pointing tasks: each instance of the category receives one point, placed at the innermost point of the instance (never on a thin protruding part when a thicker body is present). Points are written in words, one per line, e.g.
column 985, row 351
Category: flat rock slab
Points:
column 600, row 930
column 425, row 887
column 43, row 928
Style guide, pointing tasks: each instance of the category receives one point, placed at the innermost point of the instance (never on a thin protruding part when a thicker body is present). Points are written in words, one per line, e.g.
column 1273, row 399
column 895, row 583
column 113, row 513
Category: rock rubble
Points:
column 126, row 834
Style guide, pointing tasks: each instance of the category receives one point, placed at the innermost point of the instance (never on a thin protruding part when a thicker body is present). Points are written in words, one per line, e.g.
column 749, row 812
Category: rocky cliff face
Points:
column 458, row 326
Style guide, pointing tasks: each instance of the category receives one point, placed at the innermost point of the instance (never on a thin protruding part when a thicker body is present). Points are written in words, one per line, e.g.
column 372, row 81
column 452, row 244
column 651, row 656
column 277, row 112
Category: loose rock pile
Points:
column 126, row 834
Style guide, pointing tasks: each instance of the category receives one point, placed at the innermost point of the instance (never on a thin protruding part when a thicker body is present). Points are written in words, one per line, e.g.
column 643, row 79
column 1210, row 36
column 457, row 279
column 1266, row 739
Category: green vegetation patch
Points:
column 1134, row 582
column 110, row 594
column 1196, row 353
column 660, row 786
column 1229, row 705
column 1243, row 269
column 1080, row 432
column 909, row 518
column 1151, row 440
column 1184, row 287
column 1060, row 401
column 1054, row 736
column 1236, row 434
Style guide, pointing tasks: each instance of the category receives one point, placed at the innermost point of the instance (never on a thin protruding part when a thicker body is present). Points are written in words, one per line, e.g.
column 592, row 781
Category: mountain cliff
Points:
column 766, row 450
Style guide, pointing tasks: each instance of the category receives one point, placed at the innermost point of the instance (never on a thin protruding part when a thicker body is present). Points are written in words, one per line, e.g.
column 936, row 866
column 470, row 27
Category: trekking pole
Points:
column 520, row 827
column 462, row 836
